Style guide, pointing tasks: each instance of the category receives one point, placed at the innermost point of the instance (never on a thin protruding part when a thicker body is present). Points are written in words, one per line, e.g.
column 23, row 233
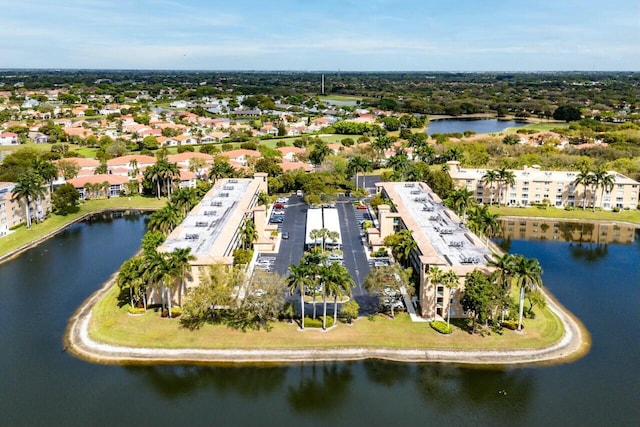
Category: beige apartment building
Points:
column 556, row 188
column 213, row 228
column 12, row 212
column 442, row 241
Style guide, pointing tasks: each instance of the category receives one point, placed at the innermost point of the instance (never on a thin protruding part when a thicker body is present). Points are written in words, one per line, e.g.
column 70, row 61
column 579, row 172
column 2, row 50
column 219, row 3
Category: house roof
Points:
column 81, row 181
column 241, row 152
column 125, row 160
column 184, row 157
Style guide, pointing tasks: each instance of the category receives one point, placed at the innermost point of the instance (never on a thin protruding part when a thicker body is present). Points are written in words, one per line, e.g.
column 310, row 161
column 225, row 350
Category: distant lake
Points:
column 475, row 125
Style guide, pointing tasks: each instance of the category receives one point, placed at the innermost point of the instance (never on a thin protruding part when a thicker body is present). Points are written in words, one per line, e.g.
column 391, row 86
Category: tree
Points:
column 180, row 258
column 527, row 274
column 30, row 188
column 490, row 177
column 605, row 181
column 380, row 145
column 46, row 170
column 184, row 199
column 567, row 113
column 349, row 310
column 401, row 244
column 450, row 281
column 64, row 199
column 503, row 275
column 165, row 219
column 357, row 164
column 479, row 296
column 299, row 278
column 511, row 139
column 68, row 169
column 460, row 201
column 584, row 178
column 506, row 177
column 221, row 168
column 338, row 283
column 161, row 270
column 319, row 152
column 483, row 222
column 435, row 275
column 389, row 281
column 248, row 234
column 131, row 281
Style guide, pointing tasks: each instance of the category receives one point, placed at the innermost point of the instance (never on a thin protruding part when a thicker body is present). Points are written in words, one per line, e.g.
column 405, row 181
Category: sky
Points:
column 322, row 35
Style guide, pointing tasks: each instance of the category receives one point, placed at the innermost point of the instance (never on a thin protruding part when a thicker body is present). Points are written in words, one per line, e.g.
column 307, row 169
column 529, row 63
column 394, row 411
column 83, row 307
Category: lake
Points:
column 475, row 125
column 44, row 385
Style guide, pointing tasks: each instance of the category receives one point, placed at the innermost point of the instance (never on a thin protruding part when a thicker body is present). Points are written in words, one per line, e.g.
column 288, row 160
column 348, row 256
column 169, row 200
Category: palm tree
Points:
column 380, row 145
column 249, row 234
column 508, row 179
column 165, row 219
column 504, row 274
column 451, row 281
column 399, row 162
column 221, row 168
column 47, row 170
column 184, row 199
column 263, row 200
column 527, row 275
column 134, row 170
column 481, row 221
column 180, row 258
column 460, row 201
column 607, row 181
column 160, row 269
column 299, row 277
column 168, row 172
column 584, row 178
column 490, row 177
column 358, row 163
column 339, row 283
column 30, row 188
column 435, row 275
column 153, row 174
column 401, row 244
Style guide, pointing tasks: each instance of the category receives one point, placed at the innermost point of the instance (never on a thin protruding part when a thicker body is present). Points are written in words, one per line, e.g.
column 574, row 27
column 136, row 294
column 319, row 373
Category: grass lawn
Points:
column 113, row 325
column 632, row 216
column 22, row 235
column 339, row 98
column 539, row 127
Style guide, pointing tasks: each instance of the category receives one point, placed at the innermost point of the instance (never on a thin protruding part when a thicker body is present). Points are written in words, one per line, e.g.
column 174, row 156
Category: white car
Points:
column 335, row 256
column 278, row 212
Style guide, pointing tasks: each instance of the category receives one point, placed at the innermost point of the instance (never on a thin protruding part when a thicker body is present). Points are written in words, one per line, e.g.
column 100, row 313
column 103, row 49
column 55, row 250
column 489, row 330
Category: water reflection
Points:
column 386, row 373
column 566, row 231
column 320, row 387
column 172, row 381
column 476, row 393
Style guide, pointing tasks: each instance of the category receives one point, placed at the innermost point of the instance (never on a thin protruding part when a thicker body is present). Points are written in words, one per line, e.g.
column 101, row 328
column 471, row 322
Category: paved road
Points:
column 294, row 223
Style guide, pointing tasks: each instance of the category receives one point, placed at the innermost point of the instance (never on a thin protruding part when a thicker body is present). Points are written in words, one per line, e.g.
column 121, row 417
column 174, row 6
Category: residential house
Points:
column 9, row 138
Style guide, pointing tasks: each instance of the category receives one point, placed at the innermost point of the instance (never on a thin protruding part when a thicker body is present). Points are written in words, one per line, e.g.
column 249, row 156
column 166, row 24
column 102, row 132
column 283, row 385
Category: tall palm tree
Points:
column 299, row 277
column 161, row 270
column 263, row 200
column 402, row 244
column 508, row 179
column 583, row 178
column 154, row 175
column 451, row 281
column 168, row 172
column 30, row 187
column 180, row 258
column 527, row 275
column 399, row 162
column 380, row 145
column 356, row 164
column 490, row 177
column 221, row 168
column 504, row 274
column 607, row 181
column 435, row 275
column 165, row 219
column 184, row 199
column 134, row 170
column 47, row 170
column 339, row 283
column 483, row 222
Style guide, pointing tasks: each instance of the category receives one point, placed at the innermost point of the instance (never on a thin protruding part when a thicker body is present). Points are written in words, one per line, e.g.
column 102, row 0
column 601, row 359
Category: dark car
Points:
column 285, row 235
column 278, row 206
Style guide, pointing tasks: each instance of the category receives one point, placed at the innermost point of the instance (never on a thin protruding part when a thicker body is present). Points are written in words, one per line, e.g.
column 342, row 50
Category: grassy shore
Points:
column 23, row 236
column 112, row 325
column 630, row 216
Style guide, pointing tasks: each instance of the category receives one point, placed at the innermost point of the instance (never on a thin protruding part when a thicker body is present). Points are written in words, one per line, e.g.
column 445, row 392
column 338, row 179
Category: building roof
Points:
column 186, row 156
column 125, row 160
column 441, row 237
column 81, row 181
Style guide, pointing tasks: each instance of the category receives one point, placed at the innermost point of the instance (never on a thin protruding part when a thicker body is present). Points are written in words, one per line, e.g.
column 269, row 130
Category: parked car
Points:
column 278, row 206
column 285, row 235
column 278, row 212
column 335, row 256
column 361, row 206
column 282, row 200
column 276, row 219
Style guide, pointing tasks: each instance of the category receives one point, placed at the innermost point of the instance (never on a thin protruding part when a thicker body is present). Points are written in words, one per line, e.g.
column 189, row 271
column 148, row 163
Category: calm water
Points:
column 43, row 385
column 475, row 125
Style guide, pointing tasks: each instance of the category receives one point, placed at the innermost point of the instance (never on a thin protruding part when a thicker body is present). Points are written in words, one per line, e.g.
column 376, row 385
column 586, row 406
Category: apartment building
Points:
column 12, row 212
column 534, row 186
column 442, row 240
column 213, row 228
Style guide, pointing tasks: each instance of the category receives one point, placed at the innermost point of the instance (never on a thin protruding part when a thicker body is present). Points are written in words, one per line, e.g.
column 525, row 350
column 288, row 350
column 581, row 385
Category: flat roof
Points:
column 314, row 222
column 441, row 236
column 210, row 226
column 332, row 222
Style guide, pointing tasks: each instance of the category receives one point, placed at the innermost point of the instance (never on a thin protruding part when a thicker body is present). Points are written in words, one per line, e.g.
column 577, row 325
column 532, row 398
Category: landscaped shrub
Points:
column 176, row 311
column 441, row 327
column 317, row 322
column 135, row 310
column 510, row 324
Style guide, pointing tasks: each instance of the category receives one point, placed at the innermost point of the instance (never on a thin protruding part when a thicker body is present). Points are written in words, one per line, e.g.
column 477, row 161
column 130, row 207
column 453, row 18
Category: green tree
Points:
column 299, row 278
column 508, row 179
column 180, row 259
column 338, row 284
column 68, row 168
column 358, row 164
column 29, row 187
column 584, row 178
column 479, row 297
column 460, row 201
column 567, row 113
column 490, row 177
column 65, row 199
column 450, row 281
column 401, row 244
column 527, row 274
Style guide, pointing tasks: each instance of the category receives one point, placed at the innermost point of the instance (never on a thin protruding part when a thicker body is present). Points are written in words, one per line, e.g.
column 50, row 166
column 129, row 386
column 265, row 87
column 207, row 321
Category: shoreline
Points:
column 574, row 343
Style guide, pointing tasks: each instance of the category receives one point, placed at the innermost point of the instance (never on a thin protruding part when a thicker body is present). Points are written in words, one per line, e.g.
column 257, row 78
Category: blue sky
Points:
column 367, row 35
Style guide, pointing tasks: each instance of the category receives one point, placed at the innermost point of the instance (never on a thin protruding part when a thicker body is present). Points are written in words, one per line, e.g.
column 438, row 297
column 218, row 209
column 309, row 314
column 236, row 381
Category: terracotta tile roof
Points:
column 95, row 179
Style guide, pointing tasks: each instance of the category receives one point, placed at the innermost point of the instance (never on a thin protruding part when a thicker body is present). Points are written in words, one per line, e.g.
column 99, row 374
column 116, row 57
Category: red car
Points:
column 278, row 206
column 361, row 206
